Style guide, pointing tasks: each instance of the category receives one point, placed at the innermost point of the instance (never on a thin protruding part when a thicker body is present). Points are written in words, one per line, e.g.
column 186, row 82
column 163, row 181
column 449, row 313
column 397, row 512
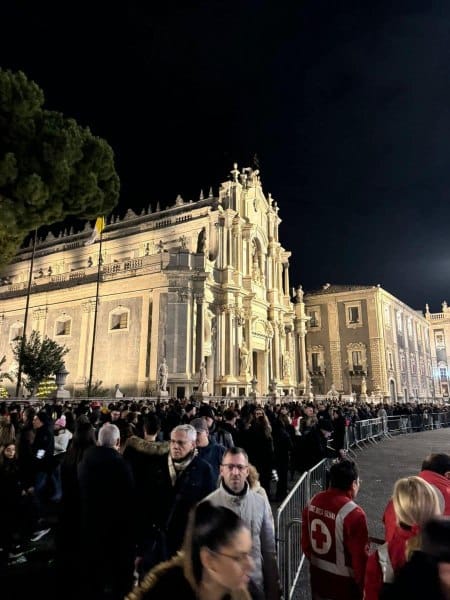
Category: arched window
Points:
column 119, row 319
column 63, row 326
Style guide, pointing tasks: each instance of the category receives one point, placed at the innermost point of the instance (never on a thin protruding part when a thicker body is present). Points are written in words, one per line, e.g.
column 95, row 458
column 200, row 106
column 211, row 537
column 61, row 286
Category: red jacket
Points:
column 441, row 485
column 384, row 563
column 335, row 540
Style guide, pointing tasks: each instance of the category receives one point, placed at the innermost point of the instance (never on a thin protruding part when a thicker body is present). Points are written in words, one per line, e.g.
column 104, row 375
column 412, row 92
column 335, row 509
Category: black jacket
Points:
column 107, row 504
column 43, row 449
column 416, row 580
column 169, row 504
column 142, row 457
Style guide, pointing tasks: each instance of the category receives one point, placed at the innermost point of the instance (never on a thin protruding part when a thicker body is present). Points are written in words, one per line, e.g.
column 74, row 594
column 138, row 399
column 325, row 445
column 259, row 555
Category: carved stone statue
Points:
column 243, row 359
column 332, row 392
column 201, row 241
column 363, row 386
column 299, row 293
column 163, row 374
column 203, row 379
column 117, row 392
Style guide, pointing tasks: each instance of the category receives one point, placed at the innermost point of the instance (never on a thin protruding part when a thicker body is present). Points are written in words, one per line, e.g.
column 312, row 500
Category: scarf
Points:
column 176, row 468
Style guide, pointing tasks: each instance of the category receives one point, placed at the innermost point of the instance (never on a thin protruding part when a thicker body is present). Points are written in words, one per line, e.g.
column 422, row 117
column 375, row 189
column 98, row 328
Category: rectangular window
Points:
column 443, row 373
column 63, row 327
column 353, row 314
column 357, row 360
column 410, row 329
column 314, row 322
column 314, row 313
column 399, row 321
column 315, row 361
column 119, row 321
column 390, row 361
column 387, row 315
column 402, row 363
column 439, row 337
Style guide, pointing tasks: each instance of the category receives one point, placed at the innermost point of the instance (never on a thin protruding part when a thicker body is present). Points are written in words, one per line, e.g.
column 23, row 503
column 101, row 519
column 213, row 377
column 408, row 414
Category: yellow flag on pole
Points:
column 98, row 228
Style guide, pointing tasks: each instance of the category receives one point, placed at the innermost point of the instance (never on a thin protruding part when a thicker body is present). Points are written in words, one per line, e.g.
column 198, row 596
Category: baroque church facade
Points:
column 202, row 286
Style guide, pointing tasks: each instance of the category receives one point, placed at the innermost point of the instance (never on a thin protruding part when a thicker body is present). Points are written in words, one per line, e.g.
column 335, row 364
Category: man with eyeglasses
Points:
column 335, row 537
column 234, row 493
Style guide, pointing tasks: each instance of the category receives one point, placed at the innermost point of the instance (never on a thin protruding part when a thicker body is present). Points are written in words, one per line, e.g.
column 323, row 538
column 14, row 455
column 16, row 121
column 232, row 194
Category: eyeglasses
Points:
column 241, row 558
column 231, row 466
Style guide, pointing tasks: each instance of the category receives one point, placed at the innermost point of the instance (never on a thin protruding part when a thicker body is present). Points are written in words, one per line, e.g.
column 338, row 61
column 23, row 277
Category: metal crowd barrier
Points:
column 289, row 525
column 289, row 515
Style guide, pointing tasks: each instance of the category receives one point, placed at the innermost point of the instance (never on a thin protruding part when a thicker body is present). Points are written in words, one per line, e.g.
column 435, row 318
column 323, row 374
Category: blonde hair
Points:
column 415, row 502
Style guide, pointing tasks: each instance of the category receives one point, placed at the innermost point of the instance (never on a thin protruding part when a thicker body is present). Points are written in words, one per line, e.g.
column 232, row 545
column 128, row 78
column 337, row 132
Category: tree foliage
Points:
column 50, row 167
column 40, row 358
column 4, row 375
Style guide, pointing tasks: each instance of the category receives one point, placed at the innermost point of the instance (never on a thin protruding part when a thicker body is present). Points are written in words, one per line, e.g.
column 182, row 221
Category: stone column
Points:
column 276, row 351
column 220, row 342
column 200, row 342
column 286, row 279
column 229, row 346
column 300, row 334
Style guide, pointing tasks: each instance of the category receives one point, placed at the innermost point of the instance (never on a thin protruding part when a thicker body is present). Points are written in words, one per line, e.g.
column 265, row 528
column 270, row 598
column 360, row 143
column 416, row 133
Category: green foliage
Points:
column 41, row 358
column 4, row 375
column 50, row 167
column 97, row 391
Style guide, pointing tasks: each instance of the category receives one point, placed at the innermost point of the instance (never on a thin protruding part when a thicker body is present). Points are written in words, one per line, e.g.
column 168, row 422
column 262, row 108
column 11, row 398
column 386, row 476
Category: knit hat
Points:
column 61, row 422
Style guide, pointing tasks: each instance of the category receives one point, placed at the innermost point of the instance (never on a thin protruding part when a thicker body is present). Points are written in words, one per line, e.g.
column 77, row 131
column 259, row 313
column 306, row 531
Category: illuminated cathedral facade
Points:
column 204, row 285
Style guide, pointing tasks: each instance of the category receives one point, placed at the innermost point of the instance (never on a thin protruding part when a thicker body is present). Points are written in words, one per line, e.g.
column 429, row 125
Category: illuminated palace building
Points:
column 366, row 341
column 200, row 282
column 203, row 287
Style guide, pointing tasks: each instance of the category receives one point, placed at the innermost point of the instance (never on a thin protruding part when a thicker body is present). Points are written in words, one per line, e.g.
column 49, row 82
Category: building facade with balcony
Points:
column 366, row 341
column 440, row 349
column 200, row 282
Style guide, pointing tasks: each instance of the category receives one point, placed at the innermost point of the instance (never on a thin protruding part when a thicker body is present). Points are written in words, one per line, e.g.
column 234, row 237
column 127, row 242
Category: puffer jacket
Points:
column 256, row 513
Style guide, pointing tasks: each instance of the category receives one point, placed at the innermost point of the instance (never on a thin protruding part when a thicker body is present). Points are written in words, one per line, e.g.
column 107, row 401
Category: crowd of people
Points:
column 335, row 537
column 124, row 477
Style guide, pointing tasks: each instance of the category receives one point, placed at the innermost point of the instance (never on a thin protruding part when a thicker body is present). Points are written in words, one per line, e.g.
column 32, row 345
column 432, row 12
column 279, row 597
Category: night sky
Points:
column 345, row 103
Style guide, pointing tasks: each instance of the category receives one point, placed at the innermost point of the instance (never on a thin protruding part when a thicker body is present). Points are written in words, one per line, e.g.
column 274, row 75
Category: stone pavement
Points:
column 380, row 466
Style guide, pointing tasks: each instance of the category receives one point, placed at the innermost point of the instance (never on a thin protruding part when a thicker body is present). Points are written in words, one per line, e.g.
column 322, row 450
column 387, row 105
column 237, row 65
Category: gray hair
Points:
column 108, row 435
column 190, row 432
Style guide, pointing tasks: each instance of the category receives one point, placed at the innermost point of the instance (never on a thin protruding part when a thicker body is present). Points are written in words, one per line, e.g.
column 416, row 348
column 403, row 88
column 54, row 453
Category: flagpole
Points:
column 25, row 320
column 95, row 313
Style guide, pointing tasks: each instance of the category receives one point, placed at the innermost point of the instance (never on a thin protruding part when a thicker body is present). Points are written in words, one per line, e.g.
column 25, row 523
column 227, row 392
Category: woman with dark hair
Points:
column 214, row 563
column 257, row 441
